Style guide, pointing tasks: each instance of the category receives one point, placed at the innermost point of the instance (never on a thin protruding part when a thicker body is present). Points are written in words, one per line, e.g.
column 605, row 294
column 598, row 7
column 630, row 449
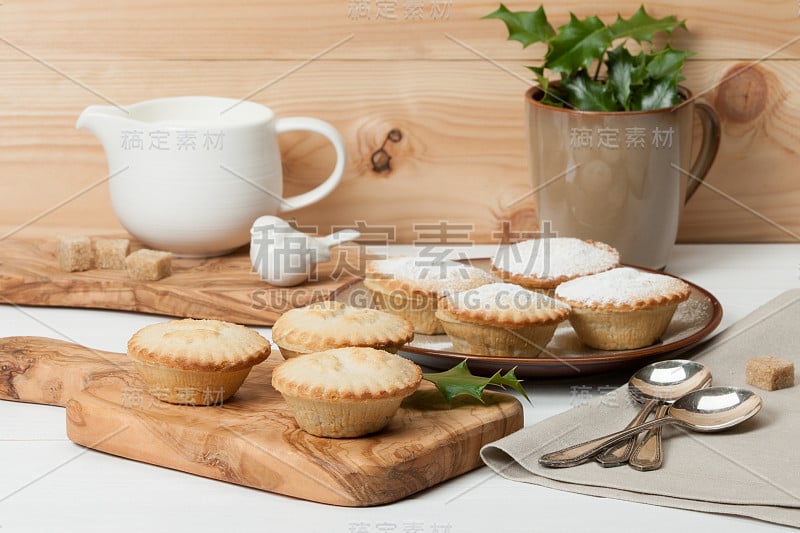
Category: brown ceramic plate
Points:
column 695, row 319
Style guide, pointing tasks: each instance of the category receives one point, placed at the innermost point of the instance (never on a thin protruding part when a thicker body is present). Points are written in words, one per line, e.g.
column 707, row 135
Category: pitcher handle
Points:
column 708, row 149
column 326, row 187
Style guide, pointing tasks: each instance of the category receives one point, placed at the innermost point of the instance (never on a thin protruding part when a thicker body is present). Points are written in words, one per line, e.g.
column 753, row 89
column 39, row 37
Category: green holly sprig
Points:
column 459, row 380
column 648, row 80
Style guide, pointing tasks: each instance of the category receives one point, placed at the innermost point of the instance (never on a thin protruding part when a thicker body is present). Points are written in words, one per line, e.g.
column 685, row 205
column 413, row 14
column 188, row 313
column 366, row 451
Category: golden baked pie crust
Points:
column 324, row 375
column 375, row 279
column 327, row 325
column 509, row 318
column 199, row 345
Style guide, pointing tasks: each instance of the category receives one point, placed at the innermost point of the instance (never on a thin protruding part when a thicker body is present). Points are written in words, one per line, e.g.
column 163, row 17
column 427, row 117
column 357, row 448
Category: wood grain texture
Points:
column 222, row 288
column 253, row 439
column 462, row 157
column 50, row 372
column 446, row 167
column 286, row 29
column 754, row 186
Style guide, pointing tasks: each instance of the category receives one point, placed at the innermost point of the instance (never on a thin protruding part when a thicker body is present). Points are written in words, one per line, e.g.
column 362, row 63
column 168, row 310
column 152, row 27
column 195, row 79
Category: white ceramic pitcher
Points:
column 190, row 174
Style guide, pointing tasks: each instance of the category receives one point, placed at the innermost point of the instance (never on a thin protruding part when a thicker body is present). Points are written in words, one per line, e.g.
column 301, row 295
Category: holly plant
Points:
column 578, row 50
column 459, row 380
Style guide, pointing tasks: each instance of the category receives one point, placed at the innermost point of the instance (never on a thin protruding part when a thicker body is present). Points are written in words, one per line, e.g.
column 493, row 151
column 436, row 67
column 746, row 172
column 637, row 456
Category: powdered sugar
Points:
column 430, row 273
column 620, row 286
column 503, row 296
column 555, row 258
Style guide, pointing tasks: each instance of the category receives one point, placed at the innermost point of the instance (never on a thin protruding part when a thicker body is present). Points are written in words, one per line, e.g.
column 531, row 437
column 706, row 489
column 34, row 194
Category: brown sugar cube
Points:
column 74, row 253
column 111, row 253
column 769, row 372
column 149, row 265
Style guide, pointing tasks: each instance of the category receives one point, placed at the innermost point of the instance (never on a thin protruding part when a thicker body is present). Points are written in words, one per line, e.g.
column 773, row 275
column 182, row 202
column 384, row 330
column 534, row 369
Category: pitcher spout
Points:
column 102, row 120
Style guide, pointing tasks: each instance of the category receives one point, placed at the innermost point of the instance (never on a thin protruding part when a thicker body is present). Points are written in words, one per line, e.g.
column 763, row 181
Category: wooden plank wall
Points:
column 430, row 68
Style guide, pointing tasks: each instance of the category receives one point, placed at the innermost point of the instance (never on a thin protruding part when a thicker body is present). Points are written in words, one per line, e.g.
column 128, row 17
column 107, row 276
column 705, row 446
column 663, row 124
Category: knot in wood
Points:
column 743, row 95
column 381, row 160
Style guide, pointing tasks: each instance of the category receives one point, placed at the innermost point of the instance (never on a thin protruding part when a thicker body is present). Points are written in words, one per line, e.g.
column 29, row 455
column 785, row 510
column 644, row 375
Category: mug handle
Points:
column 708, row 149
column 326, row 187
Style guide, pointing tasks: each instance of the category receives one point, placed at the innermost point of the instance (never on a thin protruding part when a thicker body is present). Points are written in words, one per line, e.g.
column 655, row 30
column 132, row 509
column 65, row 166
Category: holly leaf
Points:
column 587, row 94
column 552, row 95
column 621, row 65
column 661, row 93
column 458, row 380
column 527, row 27
column 577, row 44
column 641, row 27
column 667, row 63
column 641, row 82
column 541, row 79
column 639, row 73
column 625, row 73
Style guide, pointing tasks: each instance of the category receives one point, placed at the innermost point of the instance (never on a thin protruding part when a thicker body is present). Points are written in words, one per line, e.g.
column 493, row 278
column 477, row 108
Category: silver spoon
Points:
column 706, row 410
column 661, row 382
column 649, row 452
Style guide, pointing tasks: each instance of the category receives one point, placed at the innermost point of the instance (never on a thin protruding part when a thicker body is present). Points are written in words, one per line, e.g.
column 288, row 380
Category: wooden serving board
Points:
column 253, row 439
column 223, row 288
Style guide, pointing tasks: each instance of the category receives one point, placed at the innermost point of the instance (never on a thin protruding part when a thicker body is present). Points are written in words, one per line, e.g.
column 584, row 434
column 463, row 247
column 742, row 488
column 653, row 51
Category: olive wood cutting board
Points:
column 253, row 439
column 222, row 288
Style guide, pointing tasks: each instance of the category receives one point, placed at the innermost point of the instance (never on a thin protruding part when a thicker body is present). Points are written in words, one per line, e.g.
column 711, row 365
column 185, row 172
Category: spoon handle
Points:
column 580, row 453
column 619, row 454
column 649, row 454
column 340, row 237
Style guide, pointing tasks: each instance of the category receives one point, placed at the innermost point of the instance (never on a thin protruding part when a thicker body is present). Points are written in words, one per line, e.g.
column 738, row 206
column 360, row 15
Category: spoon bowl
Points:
column 715, row 408
column 705, row 410
column 666, row 381
column 660, row 382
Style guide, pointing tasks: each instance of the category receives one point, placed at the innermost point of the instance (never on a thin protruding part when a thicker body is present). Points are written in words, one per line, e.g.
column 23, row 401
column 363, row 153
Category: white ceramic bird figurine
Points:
column 284, row 256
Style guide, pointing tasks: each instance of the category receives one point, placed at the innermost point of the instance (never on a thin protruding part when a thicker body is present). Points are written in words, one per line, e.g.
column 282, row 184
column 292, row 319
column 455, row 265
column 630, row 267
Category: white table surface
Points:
column 47, row 483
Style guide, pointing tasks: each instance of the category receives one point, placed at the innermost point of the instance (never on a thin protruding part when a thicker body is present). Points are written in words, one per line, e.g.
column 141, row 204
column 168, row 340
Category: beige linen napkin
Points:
column 749, row 470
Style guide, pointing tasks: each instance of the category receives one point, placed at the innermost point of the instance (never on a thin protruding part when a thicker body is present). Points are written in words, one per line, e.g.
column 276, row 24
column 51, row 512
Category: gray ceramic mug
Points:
column 618, row 177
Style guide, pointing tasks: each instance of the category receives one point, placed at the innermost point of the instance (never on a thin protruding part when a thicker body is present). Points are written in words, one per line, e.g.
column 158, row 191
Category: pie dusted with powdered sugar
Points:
column 543, row 264
column 622, row 309
column 501, row 319
column 411, row 287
